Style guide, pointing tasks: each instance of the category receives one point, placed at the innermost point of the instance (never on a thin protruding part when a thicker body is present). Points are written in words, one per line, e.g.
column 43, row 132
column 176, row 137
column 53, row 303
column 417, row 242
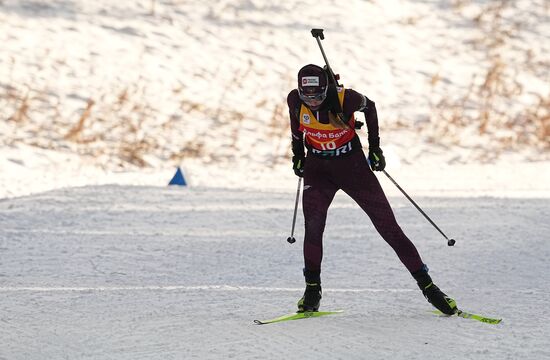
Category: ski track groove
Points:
column 10, row 289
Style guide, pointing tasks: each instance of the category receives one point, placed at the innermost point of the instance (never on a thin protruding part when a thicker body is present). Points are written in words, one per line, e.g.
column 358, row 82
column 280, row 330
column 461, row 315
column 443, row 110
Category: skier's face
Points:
column 314, row 100
column 313, row 104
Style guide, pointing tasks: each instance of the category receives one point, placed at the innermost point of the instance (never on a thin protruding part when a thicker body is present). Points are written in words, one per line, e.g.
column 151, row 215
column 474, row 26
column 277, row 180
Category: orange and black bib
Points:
column 326, row 139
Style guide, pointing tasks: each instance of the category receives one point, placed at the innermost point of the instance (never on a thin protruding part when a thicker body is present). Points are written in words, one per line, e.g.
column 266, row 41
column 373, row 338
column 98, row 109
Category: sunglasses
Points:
column 313, row 97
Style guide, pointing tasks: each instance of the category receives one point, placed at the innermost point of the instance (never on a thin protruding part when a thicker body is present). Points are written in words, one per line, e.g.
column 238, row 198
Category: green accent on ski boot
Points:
column 452, row 303
column 301, row 307
column 430, row 284
column 313, row 293
column 434, row 296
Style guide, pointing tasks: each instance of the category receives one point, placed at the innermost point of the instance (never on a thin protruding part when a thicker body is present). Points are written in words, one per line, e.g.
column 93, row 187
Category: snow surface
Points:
column 100, row 101
column 118, row 272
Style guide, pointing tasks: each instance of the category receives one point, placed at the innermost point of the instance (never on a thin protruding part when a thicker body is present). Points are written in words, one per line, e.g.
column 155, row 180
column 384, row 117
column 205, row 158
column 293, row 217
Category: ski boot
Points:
column 312, row 296
column 433, row 294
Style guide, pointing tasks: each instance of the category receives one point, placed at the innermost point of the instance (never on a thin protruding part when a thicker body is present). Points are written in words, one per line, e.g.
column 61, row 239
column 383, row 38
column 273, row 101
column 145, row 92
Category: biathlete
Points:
column 335, row 161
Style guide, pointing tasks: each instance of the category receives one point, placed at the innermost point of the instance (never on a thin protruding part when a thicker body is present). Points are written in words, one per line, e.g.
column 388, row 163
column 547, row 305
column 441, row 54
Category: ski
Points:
column 468, row 315
column 297, row 316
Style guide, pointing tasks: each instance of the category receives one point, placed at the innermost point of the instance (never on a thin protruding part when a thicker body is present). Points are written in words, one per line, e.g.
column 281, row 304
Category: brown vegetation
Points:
column 491, row 100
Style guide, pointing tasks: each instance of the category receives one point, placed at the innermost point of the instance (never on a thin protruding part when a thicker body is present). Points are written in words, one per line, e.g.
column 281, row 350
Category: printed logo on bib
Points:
column 306, row 119
column 310, row 81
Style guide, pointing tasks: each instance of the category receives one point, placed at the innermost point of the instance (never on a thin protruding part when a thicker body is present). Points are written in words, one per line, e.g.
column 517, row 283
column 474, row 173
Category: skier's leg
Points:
column 318, row 194
column 362, row 186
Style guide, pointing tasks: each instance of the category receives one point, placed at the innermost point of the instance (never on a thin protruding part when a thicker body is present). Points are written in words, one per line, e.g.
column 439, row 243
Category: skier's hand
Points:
column 377, row 161
column 298, row 163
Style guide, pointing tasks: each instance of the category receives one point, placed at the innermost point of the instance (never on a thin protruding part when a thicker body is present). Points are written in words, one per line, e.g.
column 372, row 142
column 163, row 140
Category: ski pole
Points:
column 450, row 242
column 291, row 239
column 318, row 35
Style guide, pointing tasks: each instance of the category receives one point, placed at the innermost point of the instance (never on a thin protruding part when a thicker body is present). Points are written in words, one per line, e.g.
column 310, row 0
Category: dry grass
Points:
column 112, row 125
column 75, row 132
column 539, row 116
column 490, row 102
column 21, row 113
column 279, row 129
column 191, row 149
column 133, row 152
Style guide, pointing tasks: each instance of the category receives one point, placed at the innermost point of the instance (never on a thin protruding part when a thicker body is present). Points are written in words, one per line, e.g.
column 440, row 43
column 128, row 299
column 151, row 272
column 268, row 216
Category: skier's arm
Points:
column 359, row 102
column 371, row 118
column 297, row 135
column 355, row 101
column 298, row 160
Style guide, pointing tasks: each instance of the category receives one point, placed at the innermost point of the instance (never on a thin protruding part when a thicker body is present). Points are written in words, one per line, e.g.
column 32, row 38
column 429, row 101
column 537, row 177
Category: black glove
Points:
column 298, row 162
column 376, row 159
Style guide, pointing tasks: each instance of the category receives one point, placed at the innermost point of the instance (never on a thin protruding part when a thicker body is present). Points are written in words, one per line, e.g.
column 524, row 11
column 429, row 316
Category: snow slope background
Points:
column 121, row 93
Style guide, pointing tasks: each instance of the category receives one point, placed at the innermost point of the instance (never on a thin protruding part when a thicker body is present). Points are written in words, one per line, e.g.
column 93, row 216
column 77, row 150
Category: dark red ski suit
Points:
column 326, row 172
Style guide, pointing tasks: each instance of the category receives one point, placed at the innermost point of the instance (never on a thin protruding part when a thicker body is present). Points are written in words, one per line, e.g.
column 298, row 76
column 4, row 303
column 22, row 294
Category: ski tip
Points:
column 297, row 316
column 468, row 315
column 483, row 319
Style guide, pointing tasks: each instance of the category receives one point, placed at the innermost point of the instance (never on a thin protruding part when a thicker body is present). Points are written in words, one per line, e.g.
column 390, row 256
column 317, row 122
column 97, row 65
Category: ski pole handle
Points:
column 318, row 33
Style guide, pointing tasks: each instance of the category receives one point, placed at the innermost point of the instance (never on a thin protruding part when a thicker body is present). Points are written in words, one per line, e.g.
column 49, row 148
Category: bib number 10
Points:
column 328, row 146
